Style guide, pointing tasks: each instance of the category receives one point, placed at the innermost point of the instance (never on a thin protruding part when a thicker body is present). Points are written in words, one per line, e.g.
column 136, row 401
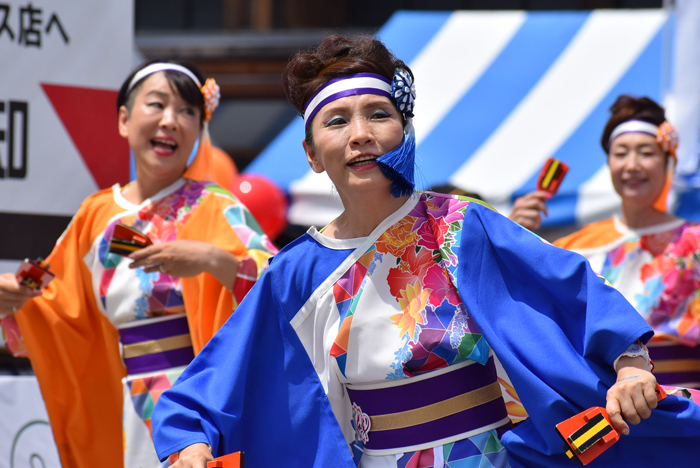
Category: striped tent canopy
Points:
column 497, row 94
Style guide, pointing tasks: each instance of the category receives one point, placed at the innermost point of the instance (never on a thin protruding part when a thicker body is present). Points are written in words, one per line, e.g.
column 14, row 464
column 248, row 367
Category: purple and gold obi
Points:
column 676, row 365
column 432, row 409
column 154, row 344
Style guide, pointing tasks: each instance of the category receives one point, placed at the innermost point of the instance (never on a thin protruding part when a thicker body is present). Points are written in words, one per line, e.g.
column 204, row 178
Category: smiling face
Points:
column 348, row 136
column 161, row 128
column 638, row 168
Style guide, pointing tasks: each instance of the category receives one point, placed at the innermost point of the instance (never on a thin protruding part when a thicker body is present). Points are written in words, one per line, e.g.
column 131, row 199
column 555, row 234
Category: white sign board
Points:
column 62, row 63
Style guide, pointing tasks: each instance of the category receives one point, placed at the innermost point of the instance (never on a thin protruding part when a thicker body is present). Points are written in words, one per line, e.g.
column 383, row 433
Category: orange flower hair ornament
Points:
column 212, row 94
column 667, row 138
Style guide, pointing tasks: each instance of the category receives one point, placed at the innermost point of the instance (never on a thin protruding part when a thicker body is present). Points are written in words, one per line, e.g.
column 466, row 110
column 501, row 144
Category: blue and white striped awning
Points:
column 497, row 94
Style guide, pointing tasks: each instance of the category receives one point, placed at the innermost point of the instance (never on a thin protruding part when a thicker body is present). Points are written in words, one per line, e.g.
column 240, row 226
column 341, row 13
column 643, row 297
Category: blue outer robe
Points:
column 555, row 326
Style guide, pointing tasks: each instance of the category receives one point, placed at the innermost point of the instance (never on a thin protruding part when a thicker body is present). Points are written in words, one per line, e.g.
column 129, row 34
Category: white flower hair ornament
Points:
column 404, row 92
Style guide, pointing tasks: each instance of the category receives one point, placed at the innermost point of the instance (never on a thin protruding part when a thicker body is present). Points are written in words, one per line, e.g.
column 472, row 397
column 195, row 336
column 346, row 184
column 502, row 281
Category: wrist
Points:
column 629, row 365
column 199, row 447
column 636, row 355
column 223, row 266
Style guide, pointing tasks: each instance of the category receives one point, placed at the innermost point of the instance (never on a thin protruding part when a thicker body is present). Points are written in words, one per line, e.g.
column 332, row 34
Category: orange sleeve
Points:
column 591, row 236
column 75, row 352
column 208, row 303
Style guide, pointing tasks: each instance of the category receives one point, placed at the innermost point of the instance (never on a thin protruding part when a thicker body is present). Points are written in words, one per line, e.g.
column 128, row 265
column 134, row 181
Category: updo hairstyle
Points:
column 336, row 56
column 626, row 108
column 179, row 82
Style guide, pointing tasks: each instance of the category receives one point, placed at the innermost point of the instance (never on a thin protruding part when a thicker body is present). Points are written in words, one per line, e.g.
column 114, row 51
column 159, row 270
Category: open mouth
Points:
column 363, row 161
column 163, row 146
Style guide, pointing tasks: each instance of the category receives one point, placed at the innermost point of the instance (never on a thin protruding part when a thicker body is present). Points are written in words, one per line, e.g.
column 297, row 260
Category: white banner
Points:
column 25, row 435
column 62, row 63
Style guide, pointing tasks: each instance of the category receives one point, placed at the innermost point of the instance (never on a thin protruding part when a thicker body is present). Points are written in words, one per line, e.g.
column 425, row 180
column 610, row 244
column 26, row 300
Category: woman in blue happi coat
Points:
column 372, row 341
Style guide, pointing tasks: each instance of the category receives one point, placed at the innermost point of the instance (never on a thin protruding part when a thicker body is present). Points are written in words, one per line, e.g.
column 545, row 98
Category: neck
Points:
column 643, row 216
column 145, row 187
column 363, row 214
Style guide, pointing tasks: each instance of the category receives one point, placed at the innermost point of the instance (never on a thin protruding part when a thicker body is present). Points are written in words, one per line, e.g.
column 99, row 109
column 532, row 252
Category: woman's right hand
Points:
column 12, row 295
column 194, row 456
column 527, row 209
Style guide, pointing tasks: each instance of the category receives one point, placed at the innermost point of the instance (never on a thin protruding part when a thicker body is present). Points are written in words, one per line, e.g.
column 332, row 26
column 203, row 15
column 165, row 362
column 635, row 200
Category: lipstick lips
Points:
column 363, row 160
column 164, row 146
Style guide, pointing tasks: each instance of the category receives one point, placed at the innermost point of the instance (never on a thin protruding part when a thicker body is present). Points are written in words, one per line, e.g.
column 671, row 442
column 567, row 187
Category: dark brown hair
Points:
column 336, row 56
column 183, row 84
column 626, row 108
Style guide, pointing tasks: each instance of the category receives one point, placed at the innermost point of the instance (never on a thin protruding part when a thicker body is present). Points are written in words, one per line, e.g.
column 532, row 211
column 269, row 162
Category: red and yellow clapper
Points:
column 590, row 433
column 551, row 175
column 126, row 240
column 34, row 274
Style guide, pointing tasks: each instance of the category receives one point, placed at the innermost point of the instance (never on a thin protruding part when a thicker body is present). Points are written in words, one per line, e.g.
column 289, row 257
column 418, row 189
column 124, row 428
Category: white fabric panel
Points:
column 602, row 51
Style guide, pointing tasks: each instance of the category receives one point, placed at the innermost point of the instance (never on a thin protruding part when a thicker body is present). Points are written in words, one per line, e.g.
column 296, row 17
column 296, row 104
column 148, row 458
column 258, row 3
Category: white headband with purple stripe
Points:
column 161, row 66
column 350, row 85
column 633, row 126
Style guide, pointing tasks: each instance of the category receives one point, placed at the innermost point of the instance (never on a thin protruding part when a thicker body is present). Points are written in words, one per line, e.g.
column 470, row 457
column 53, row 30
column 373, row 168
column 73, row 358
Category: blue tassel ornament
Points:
column 398, row 165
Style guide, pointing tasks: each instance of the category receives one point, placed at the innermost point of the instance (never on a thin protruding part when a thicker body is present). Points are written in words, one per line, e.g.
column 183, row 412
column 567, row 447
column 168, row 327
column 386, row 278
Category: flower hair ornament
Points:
column 404, row 92
column 397, row 165
column 212, row 95
column 667, row 138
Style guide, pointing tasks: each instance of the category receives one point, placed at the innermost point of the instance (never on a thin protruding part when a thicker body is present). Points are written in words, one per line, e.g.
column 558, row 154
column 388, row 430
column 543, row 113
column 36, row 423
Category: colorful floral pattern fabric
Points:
column 659, row 273
column 161, row 294
column 412, row 268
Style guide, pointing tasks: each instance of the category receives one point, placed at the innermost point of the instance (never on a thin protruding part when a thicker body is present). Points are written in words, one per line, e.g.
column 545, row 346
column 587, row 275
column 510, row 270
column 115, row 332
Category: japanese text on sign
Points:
column 29, row 25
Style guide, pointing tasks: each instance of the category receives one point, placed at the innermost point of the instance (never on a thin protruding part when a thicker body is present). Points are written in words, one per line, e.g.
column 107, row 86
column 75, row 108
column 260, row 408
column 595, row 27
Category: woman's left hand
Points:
column 186, row 258
column 632, row 397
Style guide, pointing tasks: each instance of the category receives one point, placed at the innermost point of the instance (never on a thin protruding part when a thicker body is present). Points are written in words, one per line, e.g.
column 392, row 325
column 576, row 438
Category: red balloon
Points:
column 266, row 201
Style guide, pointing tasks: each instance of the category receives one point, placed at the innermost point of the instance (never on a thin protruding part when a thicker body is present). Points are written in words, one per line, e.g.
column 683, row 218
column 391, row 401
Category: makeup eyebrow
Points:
column 157, row 93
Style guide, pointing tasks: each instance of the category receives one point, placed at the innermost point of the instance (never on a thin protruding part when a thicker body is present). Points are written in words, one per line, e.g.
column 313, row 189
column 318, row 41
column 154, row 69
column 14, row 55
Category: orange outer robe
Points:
column 74, row 347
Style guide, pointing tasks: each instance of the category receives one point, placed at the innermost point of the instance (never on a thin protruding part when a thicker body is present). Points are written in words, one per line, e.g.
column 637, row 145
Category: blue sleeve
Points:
column 253, row 387
column 557, row 328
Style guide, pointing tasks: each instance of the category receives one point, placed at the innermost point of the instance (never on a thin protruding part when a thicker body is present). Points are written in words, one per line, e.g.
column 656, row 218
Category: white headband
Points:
column 633, row 126
column 360, row 83
column 156, row 67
